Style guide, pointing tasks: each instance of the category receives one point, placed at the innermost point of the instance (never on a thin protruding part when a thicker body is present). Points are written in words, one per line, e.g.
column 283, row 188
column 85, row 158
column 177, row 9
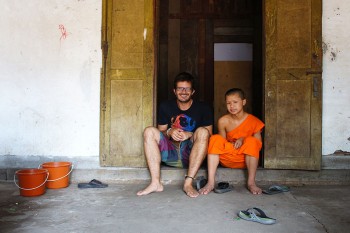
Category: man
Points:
column 181, row 138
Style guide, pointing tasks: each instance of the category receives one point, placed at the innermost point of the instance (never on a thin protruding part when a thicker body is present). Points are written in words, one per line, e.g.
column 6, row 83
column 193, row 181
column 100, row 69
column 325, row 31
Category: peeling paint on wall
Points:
column 330, row 51
column 337, row 11
column 340, row 152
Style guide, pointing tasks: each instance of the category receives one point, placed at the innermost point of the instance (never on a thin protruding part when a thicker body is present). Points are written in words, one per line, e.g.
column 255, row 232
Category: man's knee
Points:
column 150, row 132
column 202, row 134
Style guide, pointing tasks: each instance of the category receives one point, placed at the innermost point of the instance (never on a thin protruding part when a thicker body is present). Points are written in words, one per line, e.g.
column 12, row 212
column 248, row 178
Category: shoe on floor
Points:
column 92, row 184
column 274, row 189
column 200, row 182
column 223, row 187
column 256, row 215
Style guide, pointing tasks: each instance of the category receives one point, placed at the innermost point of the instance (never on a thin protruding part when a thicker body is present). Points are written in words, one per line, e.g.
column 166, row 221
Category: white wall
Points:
column 50, row 85
column 336, row 76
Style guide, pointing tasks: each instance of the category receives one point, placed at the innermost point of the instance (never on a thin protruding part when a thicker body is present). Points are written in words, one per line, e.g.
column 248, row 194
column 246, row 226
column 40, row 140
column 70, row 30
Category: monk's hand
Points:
column 238, row 143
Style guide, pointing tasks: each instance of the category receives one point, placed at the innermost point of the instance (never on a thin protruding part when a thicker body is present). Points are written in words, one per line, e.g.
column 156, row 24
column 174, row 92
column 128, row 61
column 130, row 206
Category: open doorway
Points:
column 189, row 32
column 219, row 42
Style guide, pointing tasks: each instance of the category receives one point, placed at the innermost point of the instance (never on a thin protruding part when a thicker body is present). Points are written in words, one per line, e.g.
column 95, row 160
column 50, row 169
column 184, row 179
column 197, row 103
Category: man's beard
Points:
column 184, row 101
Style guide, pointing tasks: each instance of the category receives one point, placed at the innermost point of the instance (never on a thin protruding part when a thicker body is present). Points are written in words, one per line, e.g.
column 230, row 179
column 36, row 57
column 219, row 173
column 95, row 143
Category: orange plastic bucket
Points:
column 31, row 182
column 58, row 174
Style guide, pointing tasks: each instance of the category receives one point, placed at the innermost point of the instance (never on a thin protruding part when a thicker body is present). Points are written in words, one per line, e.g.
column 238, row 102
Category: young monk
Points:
column 237, row 143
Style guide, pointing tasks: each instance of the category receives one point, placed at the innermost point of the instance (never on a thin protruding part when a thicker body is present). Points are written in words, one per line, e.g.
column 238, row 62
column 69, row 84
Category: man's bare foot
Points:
column 254, row 189
column 153, row 187
column 190, row 191
column 206, row 189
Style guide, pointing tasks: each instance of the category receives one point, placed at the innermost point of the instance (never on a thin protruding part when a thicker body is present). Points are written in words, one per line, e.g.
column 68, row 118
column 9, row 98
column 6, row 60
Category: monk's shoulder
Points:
column 225, row 119
column 254, row 118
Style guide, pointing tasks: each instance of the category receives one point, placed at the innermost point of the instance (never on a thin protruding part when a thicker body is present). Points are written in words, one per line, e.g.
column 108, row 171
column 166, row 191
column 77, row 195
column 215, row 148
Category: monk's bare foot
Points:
column 190, row 191
column 206, row 189
column 254, row 189
column 153, row 187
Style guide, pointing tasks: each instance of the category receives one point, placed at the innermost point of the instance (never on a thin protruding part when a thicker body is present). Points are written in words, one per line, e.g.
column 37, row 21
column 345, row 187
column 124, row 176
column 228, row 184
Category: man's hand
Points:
column 179, row 134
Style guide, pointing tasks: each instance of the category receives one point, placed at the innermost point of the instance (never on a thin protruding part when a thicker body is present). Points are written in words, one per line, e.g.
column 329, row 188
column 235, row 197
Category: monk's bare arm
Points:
column 222, row 126
column 258, row 136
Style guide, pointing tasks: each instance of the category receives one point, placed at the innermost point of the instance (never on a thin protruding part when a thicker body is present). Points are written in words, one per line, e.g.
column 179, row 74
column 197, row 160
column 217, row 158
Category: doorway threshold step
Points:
column 234, row 176
column 169, row 175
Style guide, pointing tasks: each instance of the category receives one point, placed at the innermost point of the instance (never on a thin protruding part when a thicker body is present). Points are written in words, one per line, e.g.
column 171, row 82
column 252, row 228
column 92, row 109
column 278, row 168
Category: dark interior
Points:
column 187, row 31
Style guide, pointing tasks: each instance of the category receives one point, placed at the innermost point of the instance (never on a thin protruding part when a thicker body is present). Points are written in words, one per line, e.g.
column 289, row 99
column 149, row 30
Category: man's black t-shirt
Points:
column 199, row 114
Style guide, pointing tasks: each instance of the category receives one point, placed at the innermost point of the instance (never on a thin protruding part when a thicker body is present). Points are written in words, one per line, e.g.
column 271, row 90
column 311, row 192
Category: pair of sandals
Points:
column 221, row 187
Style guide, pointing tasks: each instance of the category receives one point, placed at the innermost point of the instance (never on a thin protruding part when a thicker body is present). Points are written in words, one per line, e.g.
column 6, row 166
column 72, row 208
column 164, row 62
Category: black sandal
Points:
column 223, row 187
column 92, row 184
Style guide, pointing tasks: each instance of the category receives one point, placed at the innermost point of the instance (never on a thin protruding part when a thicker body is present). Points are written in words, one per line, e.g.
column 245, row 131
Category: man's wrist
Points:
column 167, row 132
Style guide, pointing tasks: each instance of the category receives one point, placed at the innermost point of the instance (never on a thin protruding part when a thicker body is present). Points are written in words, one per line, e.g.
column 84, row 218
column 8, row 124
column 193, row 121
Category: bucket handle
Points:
column 71, row 169
column 14, row 180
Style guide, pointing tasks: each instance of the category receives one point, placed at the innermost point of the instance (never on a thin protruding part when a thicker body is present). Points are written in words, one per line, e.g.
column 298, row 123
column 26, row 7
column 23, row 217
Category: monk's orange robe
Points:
column 228, row 154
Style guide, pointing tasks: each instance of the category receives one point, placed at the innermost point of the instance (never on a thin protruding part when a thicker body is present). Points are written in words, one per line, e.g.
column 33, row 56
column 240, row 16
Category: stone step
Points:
column 335, row 170
column 176, row 176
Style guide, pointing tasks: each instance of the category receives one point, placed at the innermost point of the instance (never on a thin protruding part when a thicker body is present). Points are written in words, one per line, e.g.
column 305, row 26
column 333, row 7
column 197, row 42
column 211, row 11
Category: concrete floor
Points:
column 118, row 209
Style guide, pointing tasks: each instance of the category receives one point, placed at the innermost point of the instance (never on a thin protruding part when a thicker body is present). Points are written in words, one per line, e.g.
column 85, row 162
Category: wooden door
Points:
column 293, row 84
column 126, row 80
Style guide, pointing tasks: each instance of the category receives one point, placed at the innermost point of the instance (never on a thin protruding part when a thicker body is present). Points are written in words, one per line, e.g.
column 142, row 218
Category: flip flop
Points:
column 223, row 187
column 274, row 189
column 256, row 215
column 200, row 182
column 92, row 184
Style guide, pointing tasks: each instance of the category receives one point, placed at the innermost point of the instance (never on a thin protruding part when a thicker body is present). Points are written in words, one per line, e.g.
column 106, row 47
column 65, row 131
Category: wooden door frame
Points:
column 121, row 140
column 299, row 77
